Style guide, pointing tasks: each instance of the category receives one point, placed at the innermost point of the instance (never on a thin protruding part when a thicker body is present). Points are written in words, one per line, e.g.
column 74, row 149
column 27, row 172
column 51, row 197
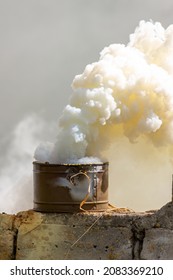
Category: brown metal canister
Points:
column 70, row 187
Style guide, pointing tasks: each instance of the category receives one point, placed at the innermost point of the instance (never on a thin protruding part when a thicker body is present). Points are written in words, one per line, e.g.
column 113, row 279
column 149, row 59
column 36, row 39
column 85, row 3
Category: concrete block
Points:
column 6, row 237
column 115, row 235
column 158, row 244
column 70, row 237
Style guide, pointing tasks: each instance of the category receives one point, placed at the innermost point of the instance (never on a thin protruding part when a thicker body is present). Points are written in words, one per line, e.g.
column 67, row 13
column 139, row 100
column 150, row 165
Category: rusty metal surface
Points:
column 63, row 187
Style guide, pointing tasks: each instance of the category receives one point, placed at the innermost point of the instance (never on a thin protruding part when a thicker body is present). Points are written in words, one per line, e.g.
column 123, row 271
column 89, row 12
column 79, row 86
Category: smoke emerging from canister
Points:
column 127, row 92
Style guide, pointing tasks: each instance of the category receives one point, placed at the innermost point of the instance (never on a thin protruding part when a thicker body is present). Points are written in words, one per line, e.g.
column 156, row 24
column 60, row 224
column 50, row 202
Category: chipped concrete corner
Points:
column 32, row 235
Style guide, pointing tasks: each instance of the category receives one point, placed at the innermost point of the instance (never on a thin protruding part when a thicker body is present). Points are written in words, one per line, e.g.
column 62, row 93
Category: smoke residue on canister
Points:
column 70, row 187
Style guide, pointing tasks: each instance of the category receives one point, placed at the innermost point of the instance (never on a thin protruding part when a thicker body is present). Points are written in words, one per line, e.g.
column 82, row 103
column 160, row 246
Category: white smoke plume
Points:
column 128, row 92
column 16, row 165
column 124, row 98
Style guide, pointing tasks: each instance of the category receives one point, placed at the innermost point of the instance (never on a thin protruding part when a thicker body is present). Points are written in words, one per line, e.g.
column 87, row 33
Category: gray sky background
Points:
column 44, row 44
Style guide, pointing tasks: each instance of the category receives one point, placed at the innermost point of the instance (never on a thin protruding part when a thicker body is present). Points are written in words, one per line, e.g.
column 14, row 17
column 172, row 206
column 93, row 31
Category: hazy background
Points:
column 43, row 45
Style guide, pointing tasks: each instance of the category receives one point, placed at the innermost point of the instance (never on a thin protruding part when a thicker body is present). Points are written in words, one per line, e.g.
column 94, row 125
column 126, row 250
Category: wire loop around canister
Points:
column 89, row 187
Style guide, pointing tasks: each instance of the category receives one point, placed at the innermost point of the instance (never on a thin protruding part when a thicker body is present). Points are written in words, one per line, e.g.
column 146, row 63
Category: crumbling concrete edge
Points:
column 15, row 237
column 137, row 242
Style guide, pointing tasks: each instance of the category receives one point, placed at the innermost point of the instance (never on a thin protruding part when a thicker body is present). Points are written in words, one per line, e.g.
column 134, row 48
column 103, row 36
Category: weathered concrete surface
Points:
column 7, row 237
column 158, row 244
column 71, row 236
column 158, row 241
column 109, row 235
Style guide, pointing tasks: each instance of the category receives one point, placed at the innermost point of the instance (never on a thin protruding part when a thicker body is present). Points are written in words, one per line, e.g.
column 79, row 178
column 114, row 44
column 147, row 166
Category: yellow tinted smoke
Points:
column 125, row 98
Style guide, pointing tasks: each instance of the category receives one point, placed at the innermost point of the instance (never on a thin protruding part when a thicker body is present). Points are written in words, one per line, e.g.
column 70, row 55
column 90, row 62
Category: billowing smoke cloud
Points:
column 124, row 98
column 128, row 92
